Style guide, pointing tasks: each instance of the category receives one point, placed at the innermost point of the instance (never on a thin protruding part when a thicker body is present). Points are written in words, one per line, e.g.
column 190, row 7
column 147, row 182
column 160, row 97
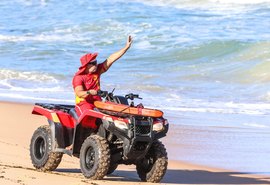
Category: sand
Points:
column 18, row 125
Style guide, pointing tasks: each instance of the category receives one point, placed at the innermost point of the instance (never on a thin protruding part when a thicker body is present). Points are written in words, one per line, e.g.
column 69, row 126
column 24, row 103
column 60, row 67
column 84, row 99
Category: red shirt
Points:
column 89, row 81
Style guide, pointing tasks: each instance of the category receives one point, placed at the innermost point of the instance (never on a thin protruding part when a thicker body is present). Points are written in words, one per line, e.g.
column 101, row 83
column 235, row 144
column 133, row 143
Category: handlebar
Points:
column 132, row 96
column 105, row 94
column 101, row 93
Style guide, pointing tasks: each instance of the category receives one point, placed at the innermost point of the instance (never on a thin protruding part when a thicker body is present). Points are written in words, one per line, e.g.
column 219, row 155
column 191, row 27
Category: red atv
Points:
column 123, row 134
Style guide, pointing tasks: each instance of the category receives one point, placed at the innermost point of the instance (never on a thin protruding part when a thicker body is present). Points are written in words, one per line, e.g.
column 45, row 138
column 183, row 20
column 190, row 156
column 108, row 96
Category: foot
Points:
column 69, row 147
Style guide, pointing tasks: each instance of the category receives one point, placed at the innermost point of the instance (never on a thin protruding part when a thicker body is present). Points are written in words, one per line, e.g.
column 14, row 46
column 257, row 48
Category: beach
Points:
column 204, row 63
column 18, row 125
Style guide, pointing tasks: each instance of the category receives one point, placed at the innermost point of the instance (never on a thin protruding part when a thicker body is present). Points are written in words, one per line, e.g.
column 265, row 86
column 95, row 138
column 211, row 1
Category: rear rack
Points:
column 61, row 107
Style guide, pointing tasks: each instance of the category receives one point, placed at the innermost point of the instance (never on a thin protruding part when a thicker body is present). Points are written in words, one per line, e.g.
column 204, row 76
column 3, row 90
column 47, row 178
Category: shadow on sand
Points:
column 68, row 170
column 206, row 177
column 184, row 177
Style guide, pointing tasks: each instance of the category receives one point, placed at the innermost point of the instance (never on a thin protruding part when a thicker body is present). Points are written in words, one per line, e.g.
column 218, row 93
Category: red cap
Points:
column 86, row 59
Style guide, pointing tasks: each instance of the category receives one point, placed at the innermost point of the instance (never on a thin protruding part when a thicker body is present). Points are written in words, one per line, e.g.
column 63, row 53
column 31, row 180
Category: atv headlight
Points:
column 158, row 126
column 120, row 124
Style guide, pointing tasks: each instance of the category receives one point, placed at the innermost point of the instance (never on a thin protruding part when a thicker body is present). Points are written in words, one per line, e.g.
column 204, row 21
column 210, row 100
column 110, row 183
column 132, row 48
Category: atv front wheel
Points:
column 153, row 166
column 41, row 150
column 95, row 157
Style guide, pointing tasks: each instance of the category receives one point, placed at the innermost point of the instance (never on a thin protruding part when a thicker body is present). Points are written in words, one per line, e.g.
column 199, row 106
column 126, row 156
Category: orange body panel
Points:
column 128, row 110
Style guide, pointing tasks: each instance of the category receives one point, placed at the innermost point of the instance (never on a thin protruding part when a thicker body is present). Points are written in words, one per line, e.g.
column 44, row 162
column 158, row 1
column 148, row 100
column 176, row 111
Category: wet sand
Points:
column 18, row 125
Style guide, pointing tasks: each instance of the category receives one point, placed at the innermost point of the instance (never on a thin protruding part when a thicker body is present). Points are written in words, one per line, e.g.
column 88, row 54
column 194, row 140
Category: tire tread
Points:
column 53, row 159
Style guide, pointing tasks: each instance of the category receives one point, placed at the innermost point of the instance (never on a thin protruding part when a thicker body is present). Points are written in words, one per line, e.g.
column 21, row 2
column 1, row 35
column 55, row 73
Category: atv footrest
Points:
column 65, row 151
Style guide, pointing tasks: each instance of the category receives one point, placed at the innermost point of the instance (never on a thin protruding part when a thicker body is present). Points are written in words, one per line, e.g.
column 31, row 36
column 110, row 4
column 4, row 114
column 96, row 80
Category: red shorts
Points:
column 87, row 121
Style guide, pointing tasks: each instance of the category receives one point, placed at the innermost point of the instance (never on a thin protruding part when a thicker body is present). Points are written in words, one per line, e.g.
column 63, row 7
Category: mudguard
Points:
column 55, row 116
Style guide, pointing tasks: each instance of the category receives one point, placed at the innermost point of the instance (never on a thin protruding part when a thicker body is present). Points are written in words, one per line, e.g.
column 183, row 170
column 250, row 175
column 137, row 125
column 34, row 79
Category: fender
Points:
column 62, row 127
column 56, row 116
column 51, row 115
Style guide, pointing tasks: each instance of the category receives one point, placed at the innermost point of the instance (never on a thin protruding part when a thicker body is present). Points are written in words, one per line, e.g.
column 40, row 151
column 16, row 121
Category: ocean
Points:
column 205, row 63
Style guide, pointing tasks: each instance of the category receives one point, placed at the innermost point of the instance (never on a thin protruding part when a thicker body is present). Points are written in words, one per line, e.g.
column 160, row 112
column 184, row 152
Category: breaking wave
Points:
column 203, row 3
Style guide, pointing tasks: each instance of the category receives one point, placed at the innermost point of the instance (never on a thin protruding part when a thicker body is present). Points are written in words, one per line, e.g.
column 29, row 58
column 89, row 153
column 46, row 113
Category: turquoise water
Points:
column 203, row 62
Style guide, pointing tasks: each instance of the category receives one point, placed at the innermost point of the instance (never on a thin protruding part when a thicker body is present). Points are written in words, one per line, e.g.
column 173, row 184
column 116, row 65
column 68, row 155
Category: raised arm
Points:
column 115, row 56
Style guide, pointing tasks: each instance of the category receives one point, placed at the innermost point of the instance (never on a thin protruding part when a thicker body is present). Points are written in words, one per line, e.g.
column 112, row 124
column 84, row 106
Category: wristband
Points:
column 88, row 92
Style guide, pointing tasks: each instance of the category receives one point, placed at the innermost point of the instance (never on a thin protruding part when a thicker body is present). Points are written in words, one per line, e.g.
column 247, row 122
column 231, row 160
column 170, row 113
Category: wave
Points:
column 201, row 106
column 44, row 37
column 7, row 74
column 34, row 86
column 240, row 1
column 226, row 8
column 97, row 34
column 224, row 61
column 256, row 125
column 34, row 99
column 250, row 64
column 30, row 3
column 201, row 3
column 210, row 49
column 19, row 81
column 266, row 97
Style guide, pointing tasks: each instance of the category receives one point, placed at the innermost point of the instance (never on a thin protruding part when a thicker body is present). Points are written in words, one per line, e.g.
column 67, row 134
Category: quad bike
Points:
column 123, row 134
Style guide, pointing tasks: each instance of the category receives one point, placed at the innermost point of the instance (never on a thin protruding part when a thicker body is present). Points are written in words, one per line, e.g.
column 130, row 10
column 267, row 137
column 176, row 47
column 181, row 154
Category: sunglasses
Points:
column 93, row 63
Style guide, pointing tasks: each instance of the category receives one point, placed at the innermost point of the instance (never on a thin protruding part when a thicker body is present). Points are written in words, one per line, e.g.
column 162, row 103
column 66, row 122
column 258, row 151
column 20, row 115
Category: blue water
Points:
column 203, row 62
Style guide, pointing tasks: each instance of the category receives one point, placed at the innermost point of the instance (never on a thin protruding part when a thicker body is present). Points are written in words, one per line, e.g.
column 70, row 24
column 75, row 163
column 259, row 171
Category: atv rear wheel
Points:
column 41, row 150
column 153, row 166
column 95, row 157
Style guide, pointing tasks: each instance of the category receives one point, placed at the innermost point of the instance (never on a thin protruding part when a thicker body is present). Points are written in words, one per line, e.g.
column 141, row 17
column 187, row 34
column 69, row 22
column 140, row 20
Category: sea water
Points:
column 205, row 63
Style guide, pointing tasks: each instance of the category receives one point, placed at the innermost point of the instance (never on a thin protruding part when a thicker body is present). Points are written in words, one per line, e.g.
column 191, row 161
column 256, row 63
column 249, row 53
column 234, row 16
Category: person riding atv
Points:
column 86, row 81
column 103, row 130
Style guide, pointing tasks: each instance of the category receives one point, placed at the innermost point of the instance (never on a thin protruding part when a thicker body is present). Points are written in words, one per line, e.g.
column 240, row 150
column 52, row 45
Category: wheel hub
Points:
column 40, row 146
column 90, row 158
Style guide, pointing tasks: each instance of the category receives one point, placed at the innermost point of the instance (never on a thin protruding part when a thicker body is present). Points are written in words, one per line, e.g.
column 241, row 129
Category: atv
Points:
column 123, row 134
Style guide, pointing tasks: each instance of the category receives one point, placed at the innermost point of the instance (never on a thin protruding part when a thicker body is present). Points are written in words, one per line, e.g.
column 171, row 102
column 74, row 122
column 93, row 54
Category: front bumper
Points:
column 138, row 138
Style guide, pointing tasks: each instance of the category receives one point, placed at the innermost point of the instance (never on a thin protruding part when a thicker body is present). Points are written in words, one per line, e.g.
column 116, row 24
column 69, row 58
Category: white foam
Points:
column 240, row 1
column 212, row 5
column 40, row 89
column 215, row 110
column 25, row 97
column 267, row 96
column 256, row 125
column 6, row 74
column 40, row 37
column 144, row 44
column 204, row 106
